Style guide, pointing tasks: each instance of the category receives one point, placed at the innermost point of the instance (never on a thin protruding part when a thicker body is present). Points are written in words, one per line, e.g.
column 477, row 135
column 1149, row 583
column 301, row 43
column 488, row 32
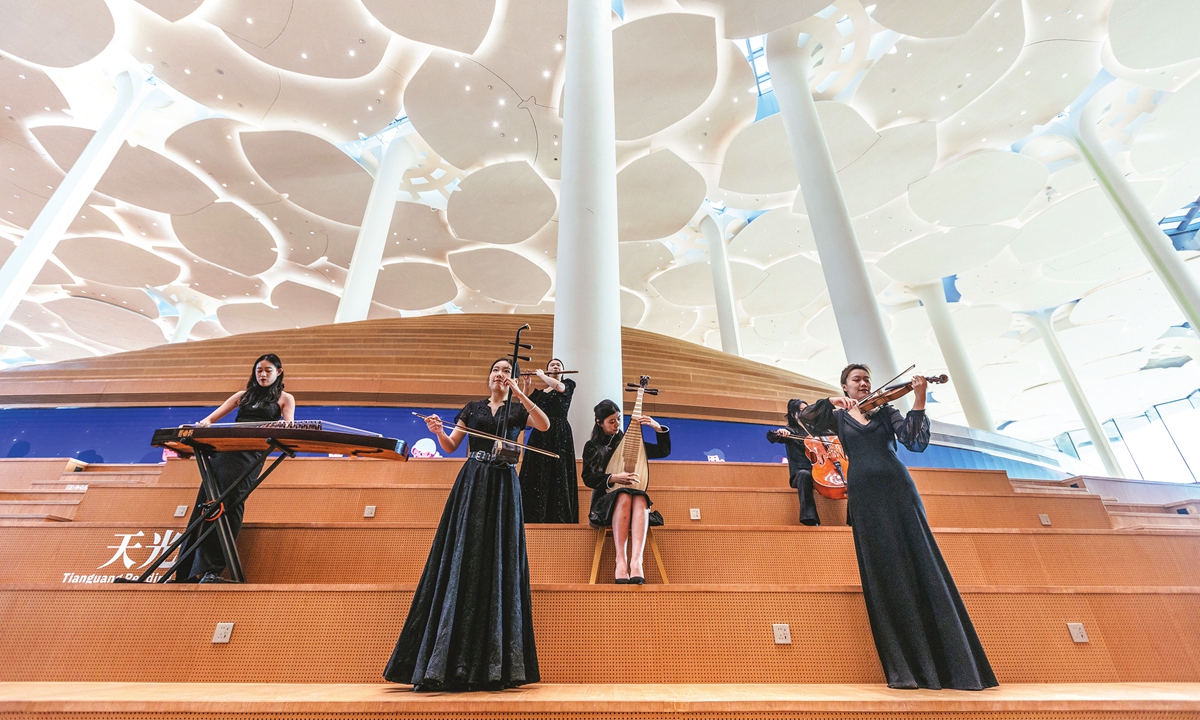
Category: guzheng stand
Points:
column 287, row 439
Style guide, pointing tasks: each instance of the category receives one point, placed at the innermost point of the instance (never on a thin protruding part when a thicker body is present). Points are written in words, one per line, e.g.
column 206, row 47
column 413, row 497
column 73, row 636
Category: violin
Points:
column 889, row 393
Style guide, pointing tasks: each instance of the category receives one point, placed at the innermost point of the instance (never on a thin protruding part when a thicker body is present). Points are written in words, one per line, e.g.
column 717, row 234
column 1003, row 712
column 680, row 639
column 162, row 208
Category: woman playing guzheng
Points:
column 922, row 632
column 626, row 510
column 470, row 626
column 263, row 400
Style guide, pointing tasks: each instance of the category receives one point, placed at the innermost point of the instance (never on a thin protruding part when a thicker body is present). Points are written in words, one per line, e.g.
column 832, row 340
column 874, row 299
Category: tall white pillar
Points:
column 1155, row 244
column 587, row 303
column 373, row 233
column 859, row 321
column 190, row 313
column 962, row 372
column 39, row 242
column 1043, row 320
column 722, row 275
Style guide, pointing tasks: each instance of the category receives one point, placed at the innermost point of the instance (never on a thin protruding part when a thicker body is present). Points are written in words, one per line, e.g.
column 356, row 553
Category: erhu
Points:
column 630, row 455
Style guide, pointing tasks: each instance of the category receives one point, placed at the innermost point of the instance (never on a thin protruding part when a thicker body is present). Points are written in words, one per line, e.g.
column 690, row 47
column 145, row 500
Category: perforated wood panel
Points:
column 664, row 634
column 385, row 552
column 568, row 714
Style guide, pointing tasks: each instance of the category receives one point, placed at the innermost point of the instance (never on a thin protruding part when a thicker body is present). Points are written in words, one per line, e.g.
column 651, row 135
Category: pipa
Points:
column 630, row 455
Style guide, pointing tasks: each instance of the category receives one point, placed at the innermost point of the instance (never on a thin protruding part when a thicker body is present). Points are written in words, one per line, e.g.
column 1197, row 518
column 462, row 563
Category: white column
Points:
column 962, row 372
column 190, row 313
column 39, row 242
column 1043, row 320
column 859, row 321
column 1155, row 244
column 718, row 258
column 373, row 233
column 587, row 303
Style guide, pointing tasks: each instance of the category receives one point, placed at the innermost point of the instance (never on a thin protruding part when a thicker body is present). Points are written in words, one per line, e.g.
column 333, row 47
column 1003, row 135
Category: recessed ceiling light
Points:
column 355, row 122
column 455, row 64
column 351, row 53
column 1047, row 18
column 249, row 21
column 999, row 49
column 1028, row 71
column 220, row 97
column 495, row 124
column 558, row 47
column 943, row 97
column 468, row 88
column 149, row 50
column 1064, row 76
column 187, row 72
column 501, row 101
column 964, row 122
column 996, row 15
column 545, row 73
column 228, row 137
column 908, row 55
column 303, row 56
column 381, row 92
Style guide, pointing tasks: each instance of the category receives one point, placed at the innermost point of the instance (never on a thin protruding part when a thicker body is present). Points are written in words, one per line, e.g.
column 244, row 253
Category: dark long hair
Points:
column 603, row 409
column 795, row 405
column 257, row 394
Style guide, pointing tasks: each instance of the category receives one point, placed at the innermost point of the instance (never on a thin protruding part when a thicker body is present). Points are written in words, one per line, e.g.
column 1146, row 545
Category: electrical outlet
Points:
column 77, row 488
column 369, row 511
column 1044, row 518
column 694, row 513
column 783, row 633
column 1078, row 633
column 180, row 510
column 223, row 632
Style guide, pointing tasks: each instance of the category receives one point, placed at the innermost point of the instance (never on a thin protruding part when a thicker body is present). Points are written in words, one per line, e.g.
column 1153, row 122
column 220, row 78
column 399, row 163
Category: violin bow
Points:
column 489, row 436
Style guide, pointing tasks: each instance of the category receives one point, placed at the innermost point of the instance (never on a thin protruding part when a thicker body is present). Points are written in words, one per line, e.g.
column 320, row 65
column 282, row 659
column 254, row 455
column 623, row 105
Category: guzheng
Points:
column 301, row 436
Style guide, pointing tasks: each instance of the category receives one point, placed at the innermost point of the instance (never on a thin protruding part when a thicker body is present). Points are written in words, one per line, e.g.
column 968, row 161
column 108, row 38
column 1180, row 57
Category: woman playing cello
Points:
column 799, row 466
column 922, row 632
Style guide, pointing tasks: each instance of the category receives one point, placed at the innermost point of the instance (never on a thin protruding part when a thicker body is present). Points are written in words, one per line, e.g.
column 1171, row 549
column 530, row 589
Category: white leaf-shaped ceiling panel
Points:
column 252, row 317
column 789, row 285
column 314, row 174
column 26, row 92
column 326, row 38
column 1154, row 33
column 930, row 18
column 305, row 306
column 925, row 79
column 639, row 260
column 458, row 25
column 938, row 254
column 107, row 324
column 773, row 236
column 136, row 175
column 227, row 235
column 692, row 284
column 1072, row 223
column 664, row 66
column 215, row 143
column 888, row 226
column 501, row 275
column 55, row 33
column 656, row 196
column 1171, row 135
column 633, row 309
column 172, row 10
column 1104, row 261
column 504, row 203
column 901, row 156
column 983, row 188
column 750, row 18
column 115, row 262
column 420, row 231
column 414, row 285
column 468, row 127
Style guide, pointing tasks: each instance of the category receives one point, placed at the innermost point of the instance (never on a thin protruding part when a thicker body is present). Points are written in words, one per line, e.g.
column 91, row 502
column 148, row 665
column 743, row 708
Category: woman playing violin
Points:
column 470, row 626
column 922, row 632
column 799, row 466
column 550, row 486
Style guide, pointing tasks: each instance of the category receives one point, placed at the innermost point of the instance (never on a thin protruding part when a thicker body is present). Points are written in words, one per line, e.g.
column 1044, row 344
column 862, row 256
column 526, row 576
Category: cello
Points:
column 829, row 463
column 630, row 454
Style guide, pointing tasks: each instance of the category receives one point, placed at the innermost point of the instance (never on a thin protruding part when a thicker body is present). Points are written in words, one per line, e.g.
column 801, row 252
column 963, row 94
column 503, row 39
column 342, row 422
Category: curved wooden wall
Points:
column 439, row 360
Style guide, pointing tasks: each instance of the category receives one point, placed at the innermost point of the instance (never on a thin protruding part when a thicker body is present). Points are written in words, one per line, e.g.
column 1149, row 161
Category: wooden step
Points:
column 665, row 633
column 1154, row 519
column 275, row 502
column 1016, row 701
column 395, row 552
column 58, row 509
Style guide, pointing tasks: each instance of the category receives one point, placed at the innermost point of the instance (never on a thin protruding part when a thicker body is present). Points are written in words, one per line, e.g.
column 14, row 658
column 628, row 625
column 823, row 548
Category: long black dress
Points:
column 596, row 454
column 922, row 631
column 799, row 473
column 470, row 626
column 226, row 467
column 549, row 487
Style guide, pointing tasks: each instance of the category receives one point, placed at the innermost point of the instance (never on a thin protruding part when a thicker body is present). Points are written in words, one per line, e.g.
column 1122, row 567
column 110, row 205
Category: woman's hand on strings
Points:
column 844, row 403
column 624, row 478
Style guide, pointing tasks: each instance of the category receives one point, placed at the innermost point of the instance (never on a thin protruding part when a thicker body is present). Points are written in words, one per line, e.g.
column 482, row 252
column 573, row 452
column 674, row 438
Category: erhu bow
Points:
column 489, row 436
column 630, row 455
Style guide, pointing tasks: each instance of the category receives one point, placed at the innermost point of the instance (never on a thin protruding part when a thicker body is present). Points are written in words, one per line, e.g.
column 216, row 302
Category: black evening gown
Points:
column 549, row 487
column 596, row 454
column 799, row 474
column 922, row 632
column 470, row 626
column 225, row 468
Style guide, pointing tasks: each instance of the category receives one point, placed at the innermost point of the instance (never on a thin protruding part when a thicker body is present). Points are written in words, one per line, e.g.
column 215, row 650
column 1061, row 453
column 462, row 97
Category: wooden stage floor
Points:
column 146, row 700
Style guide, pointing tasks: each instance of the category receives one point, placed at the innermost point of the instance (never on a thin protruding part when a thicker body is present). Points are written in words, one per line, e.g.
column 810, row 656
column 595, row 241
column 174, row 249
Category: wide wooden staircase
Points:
column 329, row 590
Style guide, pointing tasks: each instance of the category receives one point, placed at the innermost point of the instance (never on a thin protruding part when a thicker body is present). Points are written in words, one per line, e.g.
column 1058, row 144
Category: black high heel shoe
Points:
column 637, row 580
column 621, row 581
